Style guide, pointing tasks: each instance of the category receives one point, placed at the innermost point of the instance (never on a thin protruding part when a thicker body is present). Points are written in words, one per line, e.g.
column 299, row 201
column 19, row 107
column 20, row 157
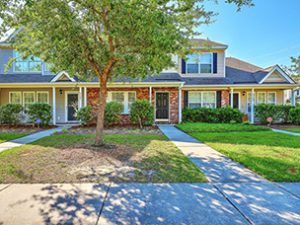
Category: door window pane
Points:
column 15, row 97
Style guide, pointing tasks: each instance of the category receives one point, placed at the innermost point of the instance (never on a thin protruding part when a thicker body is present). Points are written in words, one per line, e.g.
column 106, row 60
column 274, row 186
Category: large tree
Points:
column 105, row 39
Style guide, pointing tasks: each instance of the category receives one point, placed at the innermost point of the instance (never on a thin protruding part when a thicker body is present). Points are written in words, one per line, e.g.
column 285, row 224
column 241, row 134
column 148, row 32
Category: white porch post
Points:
column 84, row 97
column 150, row 95
column 180, row 104
column 54, row 105
column 252, row 105
column 293, row 97
column 80, row 98
column 231, row 97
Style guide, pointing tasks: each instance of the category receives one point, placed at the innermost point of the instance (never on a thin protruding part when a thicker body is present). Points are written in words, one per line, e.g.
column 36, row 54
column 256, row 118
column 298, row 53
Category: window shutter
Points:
column 219, row 99
column 215, row 62
column 186, row 99
column 183, row 66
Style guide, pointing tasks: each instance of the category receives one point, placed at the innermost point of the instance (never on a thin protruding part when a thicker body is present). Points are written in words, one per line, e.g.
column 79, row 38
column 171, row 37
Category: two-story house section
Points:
column 205, row 78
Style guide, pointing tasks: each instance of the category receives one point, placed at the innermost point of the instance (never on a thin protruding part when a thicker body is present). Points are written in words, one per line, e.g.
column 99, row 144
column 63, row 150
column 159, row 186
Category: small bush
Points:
column 141, row 113
column 279, row 113
column 10, row 114
column 209, row 115
column 294, row 116
column 85, row 115
column 112, row 114
column 39, row 113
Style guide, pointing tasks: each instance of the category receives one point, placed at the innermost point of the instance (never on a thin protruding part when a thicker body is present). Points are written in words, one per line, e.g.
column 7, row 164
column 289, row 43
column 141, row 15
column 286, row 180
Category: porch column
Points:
column 53, row 105
column 150, row 95
column 80, row 98
column 84, row 97
column 252, row 105
column 293, row 97
column 180, row 104
column 231, row 97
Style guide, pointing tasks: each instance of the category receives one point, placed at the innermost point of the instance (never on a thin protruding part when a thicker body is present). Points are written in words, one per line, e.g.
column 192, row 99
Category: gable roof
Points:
column 59, row 77
column 206, row 43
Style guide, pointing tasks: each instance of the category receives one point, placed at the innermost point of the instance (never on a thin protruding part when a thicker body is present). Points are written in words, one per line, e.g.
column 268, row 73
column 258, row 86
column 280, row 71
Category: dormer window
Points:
column 199, row 63
column 31, row 64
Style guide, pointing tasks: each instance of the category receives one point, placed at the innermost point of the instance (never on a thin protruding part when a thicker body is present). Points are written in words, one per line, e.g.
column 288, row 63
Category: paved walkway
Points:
column 217, row 167
column 157, row 204
column 286, row 132
column 27, row 139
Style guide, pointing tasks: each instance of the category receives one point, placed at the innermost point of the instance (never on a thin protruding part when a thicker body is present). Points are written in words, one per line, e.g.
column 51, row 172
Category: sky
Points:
column 265, row 35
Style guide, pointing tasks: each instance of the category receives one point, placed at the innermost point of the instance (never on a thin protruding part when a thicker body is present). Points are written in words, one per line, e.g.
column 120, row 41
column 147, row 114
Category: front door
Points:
column 162, row 106
column 72, row 106
column 236, row 103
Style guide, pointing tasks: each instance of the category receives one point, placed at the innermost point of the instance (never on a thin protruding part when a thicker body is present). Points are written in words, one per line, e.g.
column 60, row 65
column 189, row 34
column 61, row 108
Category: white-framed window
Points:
column 28, row 98
column 203, row 99
column 15, row 97
column 31, row 64
column 199, row 63
column 266, row 98
column 125, row 98
column 42, row 97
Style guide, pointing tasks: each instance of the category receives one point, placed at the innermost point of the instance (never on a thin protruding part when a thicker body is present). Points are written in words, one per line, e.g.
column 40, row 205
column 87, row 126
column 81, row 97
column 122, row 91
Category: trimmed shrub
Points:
column 279, row 113
column 112, row 114
column 209, row 115
column 141, row 112
column 85, row 115
column 294, row 115
column 10, row 114
column 39, row 113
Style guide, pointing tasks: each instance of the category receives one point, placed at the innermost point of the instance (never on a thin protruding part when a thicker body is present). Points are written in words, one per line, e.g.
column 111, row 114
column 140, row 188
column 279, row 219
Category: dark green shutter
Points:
column 186, row 99
column 215, row 62
column 219, row 99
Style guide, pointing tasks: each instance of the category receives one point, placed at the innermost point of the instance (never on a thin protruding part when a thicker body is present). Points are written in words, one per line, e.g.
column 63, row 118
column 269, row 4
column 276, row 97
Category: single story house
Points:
column 203, row 79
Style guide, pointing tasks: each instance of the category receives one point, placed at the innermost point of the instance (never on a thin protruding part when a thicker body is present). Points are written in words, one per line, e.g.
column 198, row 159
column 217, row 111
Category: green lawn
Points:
column 275, row 156
column 71, row 158
column 10, row 136
column 297, row 130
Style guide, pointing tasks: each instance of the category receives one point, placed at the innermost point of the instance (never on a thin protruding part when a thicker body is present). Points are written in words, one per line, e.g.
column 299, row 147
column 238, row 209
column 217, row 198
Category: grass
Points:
column 275, row 156
column 296, row 130
column 10, row 136
column 70, row 158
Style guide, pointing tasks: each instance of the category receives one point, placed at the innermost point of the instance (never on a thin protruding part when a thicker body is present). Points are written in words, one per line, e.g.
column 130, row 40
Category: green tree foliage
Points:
column 106, row 39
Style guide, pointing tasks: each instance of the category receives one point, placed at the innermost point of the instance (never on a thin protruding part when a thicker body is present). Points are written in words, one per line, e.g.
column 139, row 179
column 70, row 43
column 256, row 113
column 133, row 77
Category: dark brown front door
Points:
column 162, row 106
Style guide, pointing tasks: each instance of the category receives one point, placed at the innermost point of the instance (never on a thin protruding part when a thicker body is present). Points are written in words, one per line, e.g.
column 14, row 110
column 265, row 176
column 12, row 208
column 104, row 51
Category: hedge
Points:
column 10, row 114
column 279, row 113
column 215, row 115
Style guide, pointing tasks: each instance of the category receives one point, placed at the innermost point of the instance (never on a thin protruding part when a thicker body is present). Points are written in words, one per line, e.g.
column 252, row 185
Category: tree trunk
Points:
column 101, row 111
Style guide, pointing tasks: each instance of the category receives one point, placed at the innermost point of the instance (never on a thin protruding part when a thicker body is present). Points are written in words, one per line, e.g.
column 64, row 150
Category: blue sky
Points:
column 266, row 34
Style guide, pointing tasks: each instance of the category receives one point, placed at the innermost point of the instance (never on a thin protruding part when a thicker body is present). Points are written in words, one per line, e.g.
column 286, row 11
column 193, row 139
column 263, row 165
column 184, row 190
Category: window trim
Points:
column 272, row 92
column 256, row 94
column 199, row 63
column 9, row 97
column 28, row 72
column 28, row 92
column 42, row 92
column 201, row 98
column 126, row 110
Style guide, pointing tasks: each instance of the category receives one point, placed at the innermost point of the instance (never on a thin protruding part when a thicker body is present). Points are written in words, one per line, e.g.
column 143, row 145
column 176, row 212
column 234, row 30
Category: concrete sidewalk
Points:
column 217, row 167
column 29, row 138
column 286, row 132
column 159, row 204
